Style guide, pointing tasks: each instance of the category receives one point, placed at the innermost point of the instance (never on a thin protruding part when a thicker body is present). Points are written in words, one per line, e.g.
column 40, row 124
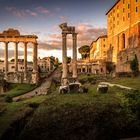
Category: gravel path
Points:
column 42, row 90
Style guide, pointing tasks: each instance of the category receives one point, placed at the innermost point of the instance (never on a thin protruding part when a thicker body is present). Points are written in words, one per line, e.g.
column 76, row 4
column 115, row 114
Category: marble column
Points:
column 64, row 59
column 35, row 69
column 6, row 58
column 74, row 55
column 25, row 60
column 16, row 56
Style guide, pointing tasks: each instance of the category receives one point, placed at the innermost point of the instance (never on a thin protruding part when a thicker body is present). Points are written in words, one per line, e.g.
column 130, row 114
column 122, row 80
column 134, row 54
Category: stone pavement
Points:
column 42, row 89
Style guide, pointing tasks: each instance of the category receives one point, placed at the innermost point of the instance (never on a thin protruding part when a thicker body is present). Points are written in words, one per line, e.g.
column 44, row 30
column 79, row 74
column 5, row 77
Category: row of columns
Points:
column 64, row 55
column 16, row 57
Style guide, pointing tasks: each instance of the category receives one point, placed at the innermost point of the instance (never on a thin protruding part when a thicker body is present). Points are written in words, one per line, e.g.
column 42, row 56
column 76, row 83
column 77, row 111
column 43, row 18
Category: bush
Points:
column 8, row 99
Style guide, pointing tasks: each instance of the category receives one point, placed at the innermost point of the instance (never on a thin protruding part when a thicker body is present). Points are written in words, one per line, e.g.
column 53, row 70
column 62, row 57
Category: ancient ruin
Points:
column 68, row 30
column 14, row 36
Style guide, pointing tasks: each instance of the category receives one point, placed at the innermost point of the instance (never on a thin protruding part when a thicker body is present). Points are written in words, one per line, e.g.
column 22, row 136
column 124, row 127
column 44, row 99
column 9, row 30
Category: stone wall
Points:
column 124, row 58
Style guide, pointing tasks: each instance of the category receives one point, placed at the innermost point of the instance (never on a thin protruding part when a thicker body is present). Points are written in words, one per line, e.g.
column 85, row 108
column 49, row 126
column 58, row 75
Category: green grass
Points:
column 57, row 107
column 19, row 89
column 15, row 110
column 131, row 82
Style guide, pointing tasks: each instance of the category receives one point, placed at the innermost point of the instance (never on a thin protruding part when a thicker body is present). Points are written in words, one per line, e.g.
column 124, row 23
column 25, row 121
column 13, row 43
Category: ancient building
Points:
column 65, row 31
column 123, row 30
column 14, row 36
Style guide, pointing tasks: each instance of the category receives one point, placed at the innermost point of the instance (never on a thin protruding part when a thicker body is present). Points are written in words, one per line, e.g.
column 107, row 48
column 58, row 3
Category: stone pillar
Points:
column 35, row 69
column 64, row 59
column 16, row 56
column 25, row 60
column 6, row 58
column 74, row 55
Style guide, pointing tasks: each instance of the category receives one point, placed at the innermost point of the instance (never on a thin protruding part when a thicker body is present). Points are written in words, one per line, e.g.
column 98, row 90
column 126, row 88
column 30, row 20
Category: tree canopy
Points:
column 84, row 51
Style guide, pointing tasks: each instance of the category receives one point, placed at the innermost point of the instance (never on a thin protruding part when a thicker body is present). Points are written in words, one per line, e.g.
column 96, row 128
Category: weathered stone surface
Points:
column 102, row 88
column 63, row 89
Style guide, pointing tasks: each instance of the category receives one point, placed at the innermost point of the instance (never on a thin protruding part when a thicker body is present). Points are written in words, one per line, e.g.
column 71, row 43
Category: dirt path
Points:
column 42, row 90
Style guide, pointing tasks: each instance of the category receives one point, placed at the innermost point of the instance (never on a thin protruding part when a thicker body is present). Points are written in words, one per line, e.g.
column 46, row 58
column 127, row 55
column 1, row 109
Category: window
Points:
column 123, row 1
column 136, row 0
column 128, row 15
column 12, row 67
column 123, row 10
column 136, row 9
column 123, row 18
column 128, row 6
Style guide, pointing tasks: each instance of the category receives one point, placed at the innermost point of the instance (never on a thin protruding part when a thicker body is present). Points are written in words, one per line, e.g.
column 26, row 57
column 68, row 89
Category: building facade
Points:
column 46, row 64
column 123, row 30
column 98, row 48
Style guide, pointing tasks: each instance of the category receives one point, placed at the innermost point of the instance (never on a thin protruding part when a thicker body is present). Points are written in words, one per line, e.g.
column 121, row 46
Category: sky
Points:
column 42, row 17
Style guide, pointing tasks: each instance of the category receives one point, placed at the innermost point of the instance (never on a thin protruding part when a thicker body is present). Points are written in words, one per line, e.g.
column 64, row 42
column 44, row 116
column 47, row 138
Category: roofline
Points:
column 112, row 7
column 103, row 36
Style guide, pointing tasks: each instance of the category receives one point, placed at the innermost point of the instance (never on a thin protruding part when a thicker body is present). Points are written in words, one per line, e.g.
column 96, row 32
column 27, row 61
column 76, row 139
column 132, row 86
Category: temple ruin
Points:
column 12, row 35
column 65, row 31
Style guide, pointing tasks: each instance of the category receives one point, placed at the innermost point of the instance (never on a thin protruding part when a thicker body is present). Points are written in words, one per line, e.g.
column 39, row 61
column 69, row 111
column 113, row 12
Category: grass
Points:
column 76, row 107
column 130, row 82
column 19, row 89
column 15, row 110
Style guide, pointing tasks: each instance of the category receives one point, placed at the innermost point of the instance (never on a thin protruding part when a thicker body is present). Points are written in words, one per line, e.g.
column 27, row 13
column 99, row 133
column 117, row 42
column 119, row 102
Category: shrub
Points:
column 8, row 99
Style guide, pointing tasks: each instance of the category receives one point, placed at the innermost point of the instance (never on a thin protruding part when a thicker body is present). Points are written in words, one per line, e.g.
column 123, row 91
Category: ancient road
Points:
column 41, row 90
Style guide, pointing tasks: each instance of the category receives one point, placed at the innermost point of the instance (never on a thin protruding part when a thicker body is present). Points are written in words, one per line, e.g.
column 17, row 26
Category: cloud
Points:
column 86, row 34
column 21, row 12
column 63, row 19
column 43, row 10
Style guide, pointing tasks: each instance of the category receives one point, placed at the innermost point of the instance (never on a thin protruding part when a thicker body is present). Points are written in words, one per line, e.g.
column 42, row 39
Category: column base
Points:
column 6, row 76
column 35, row 78
column 74, row 79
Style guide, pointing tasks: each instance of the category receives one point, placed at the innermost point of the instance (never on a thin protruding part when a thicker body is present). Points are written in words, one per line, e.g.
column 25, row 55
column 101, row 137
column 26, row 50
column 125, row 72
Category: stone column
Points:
column 35, row 69
column 16, row 56
column 74, row 56
column 6, row 58
column 64, row 59
column 25, row 60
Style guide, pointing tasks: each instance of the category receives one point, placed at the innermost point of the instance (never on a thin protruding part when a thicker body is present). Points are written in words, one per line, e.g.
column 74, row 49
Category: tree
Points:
column 68, row 59
column 84, row 51
column 134, row 65
column 56, row 62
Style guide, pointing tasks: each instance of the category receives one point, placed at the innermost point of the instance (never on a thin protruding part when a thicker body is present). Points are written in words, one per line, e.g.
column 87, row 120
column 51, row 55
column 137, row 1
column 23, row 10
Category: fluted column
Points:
column 35, row 69
column 64, row 59
column 74, row 55
column 16, row 56
column 25, row 59
column 6, row 57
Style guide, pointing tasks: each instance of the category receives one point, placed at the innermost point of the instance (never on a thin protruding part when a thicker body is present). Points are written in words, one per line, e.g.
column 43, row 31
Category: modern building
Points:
column 98, row 48
column 123, row 31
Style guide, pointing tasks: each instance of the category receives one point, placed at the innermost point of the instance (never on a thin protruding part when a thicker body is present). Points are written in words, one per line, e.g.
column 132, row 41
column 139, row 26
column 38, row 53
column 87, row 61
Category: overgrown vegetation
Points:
column 134, row 65
column 19, row 89
column 75, row 116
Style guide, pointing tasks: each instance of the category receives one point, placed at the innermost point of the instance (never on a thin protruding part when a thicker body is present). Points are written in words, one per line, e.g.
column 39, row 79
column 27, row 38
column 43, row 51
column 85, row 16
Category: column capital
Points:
column 74, row 35
column 64, row 35
column 25, row 43
column 6, row 42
